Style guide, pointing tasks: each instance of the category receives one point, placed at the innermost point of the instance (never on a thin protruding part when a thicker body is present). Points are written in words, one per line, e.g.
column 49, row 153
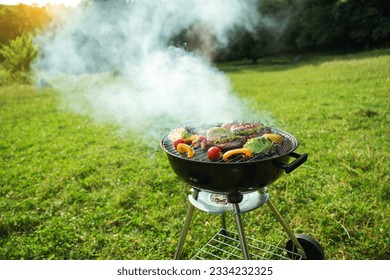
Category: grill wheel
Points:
column 312, row 248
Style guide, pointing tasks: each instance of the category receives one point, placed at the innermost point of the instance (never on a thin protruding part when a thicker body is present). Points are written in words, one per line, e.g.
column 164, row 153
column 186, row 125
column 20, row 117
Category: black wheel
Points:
column 312, row 248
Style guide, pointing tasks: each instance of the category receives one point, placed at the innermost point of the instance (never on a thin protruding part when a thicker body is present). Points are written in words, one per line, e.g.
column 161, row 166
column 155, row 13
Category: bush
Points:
column 17, row 58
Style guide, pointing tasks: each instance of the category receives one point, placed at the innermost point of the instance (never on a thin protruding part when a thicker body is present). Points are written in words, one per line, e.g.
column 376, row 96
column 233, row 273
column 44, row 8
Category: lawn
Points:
column 71, row 188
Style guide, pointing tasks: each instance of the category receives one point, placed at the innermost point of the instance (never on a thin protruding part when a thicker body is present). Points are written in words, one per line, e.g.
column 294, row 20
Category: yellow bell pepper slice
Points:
column 190, row 139
column 184, row 148
column 275, row 138
column 245, row 151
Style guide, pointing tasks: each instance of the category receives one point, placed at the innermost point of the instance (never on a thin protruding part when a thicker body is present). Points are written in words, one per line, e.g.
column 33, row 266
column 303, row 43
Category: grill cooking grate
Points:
column 227, row 247
column 288, row 144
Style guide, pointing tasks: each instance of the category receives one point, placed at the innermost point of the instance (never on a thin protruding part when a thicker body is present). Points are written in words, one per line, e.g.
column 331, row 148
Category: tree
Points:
column 318, row 24
column 20, row 19
column 369, row 23
column 17, row 58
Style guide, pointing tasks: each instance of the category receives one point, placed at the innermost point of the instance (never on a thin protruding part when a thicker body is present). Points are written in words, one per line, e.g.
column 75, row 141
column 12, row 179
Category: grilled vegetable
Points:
column 262, row 144
column 214, row 153
column 258, row 144
column 189, row 140
column 178, row 133
column 184, row 148
column 275, row 138
column 247, row 152
column 177, row 142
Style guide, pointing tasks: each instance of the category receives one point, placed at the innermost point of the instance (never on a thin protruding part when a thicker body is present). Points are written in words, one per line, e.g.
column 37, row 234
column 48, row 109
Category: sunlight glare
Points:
column 72, row 3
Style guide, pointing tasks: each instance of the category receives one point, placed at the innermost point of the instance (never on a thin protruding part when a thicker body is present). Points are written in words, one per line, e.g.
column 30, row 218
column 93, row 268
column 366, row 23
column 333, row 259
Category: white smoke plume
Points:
column 115, row 61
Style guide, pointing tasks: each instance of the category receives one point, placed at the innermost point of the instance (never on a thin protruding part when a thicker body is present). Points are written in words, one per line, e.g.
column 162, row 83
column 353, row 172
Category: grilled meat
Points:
column 221, row 138
column 224, row 146
column 218, row 133
column 233, row 135
column 248, row 130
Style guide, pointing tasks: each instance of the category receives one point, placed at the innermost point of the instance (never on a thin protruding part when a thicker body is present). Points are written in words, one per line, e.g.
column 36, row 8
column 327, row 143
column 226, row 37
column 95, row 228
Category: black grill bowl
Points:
column 238, row 176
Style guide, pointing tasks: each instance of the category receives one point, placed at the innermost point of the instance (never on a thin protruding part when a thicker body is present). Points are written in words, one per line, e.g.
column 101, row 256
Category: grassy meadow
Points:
column 71, row 188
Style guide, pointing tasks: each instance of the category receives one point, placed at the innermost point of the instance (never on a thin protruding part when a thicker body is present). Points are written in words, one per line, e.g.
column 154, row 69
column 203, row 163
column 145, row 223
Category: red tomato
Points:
column 214, row 153
column 177, row 142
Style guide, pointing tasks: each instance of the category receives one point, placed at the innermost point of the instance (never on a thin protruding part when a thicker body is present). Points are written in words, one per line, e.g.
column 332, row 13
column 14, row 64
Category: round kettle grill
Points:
column 239, row 185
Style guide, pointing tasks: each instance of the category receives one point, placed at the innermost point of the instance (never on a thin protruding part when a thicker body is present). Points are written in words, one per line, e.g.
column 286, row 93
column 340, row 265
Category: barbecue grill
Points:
column 239, row 185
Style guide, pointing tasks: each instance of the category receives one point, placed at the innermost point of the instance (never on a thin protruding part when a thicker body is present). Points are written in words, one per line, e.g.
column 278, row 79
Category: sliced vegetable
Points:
column 184, row 148
column 177, row 142
column 247, row 152
column 189, row 140
column 275, row 138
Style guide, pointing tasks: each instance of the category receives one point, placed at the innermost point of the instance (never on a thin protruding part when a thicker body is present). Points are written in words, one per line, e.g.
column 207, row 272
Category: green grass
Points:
column 74, row 189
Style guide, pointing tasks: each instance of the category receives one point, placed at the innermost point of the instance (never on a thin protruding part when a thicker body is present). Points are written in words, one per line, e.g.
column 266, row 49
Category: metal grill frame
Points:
column 227, row 247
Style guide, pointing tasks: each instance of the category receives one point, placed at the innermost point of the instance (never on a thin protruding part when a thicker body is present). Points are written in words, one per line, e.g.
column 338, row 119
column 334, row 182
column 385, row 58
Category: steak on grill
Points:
column 221, row 138
column 248, row 130
column 232, row 135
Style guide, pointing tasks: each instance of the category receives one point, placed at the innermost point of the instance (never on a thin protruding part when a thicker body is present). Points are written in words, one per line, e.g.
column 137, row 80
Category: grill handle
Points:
column 288, row 168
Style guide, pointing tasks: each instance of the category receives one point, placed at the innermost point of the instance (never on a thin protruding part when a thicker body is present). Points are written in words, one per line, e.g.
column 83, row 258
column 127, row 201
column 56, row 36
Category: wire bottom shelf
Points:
column 225, row 245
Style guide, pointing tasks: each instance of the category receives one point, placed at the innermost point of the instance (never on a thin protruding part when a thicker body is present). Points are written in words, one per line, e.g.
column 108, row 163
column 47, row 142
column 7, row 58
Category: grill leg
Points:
column 223, row 220
column 184, row 231
column 286, row 227
column 241, row 233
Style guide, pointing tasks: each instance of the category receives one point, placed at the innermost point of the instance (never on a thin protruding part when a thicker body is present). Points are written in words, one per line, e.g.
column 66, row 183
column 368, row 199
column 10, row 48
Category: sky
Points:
column 41, row 2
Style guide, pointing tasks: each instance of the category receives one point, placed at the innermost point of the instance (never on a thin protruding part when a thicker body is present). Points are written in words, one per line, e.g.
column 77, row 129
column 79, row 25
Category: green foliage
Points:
column 271, row 35
column 337, row 24
column 18, row 24
column 21, row 19
column 72, row 189
column 17, row 59
column 318, row 24
column 299, row 25
column 370, row 21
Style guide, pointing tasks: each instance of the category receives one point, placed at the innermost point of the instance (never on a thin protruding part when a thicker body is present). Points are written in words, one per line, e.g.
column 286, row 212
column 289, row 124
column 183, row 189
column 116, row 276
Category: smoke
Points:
column 115, row 61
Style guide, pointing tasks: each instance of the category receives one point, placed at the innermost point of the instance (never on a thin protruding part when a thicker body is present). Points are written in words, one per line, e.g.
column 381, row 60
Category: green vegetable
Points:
column 179, row 133
column 259, row 144
column 185, row 134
